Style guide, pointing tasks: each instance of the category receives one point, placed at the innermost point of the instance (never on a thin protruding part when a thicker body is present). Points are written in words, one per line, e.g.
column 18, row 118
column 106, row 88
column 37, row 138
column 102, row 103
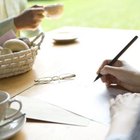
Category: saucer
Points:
column 12, row 128
column 64, row 37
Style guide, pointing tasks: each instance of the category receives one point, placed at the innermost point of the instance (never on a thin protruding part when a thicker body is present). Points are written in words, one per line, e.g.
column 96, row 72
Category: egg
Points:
column 15, row 45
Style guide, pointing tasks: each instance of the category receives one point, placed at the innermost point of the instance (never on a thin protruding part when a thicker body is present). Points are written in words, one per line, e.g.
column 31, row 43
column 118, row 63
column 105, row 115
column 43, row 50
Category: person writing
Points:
column 120, row 74
column 124, row 109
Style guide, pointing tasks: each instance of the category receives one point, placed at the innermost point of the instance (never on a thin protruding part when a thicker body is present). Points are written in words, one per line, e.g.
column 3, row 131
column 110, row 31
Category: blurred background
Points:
column 120, row 14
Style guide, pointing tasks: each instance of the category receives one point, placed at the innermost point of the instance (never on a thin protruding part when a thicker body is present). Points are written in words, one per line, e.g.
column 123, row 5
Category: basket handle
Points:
column 41, row 37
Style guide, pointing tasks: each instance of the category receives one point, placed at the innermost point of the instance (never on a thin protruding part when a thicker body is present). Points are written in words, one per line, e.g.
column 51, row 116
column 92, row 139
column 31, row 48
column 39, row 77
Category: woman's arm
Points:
column 124, row 115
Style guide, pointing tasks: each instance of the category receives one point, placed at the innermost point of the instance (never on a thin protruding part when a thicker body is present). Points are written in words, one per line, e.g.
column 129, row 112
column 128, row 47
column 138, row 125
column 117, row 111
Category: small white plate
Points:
column 64, row 37
column 12, row 128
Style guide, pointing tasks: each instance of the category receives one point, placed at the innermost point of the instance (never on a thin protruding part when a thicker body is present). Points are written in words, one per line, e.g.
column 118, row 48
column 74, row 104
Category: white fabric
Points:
column 117, row 137
column 10, row 8
column 7, row 25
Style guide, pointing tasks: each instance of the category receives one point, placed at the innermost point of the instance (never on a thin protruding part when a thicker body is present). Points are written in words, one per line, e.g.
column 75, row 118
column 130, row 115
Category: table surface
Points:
column 91, row 48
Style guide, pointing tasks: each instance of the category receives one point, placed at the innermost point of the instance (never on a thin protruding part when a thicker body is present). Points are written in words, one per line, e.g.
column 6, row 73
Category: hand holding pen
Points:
column 120, row 74
column 118, row 55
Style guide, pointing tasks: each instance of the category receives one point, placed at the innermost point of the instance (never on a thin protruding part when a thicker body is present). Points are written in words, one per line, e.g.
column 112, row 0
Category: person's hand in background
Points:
column 30, row 18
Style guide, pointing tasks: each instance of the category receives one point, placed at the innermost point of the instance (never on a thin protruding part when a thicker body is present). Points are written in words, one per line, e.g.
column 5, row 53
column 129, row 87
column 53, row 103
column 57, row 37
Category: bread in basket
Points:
column 20, row 62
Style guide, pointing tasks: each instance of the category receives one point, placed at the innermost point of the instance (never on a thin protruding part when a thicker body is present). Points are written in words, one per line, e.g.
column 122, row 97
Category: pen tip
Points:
column 95, row 79
column 99, row 75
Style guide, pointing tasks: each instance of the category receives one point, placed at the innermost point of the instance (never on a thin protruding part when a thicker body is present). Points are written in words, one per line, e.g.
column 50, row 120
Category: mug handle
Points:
column 16, row 112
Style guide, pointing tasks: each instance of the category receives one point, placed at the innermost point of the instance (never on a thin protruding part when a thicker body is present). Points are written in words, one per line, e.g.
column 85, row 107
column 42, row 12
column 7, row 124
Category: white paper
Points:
column 90, row 101
column 43, row 111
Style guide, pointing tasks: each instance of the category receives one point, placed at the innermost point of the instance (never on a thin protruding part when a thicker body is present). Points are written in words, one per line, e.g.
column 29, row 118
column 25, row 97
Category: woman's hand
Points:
column 120, row 74
column 30, row 18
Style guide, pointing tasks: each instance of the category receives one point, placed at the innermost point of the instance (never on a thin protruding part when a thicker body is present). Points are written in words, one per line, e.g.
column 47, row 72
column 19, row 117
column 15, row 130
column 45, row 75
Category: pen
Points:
column 118, row 55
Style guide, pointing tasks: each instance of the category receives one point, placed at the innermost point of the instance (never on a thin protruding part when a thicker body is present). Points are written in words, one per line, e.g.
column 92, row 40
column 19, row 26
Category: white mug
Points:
column 54, row 10
column 5, row 103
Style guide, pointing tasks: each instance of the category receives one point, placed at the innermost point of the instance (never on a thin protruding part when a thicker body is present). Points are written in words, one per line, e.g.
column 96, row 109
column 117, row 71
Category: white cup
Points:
column 54, row 11
column 5, row 103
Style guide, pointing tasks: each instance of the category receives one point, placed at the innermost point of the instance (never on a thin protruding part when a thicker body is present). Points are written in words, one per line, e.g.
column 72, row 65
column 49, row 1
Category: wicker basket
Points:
column 20, row 62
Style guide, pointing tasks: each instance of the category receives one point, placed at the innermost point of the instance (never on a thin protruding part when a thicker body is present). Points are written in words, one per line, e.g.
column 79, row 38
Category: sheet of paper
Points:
column 90, row 101
column 43, row 111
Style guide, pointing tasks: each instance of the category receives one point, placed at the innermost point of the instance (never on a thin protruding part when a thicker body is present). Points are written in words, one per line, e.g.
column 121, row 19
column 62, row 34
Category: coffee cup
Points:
column 5, row 104
column 54, row 10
